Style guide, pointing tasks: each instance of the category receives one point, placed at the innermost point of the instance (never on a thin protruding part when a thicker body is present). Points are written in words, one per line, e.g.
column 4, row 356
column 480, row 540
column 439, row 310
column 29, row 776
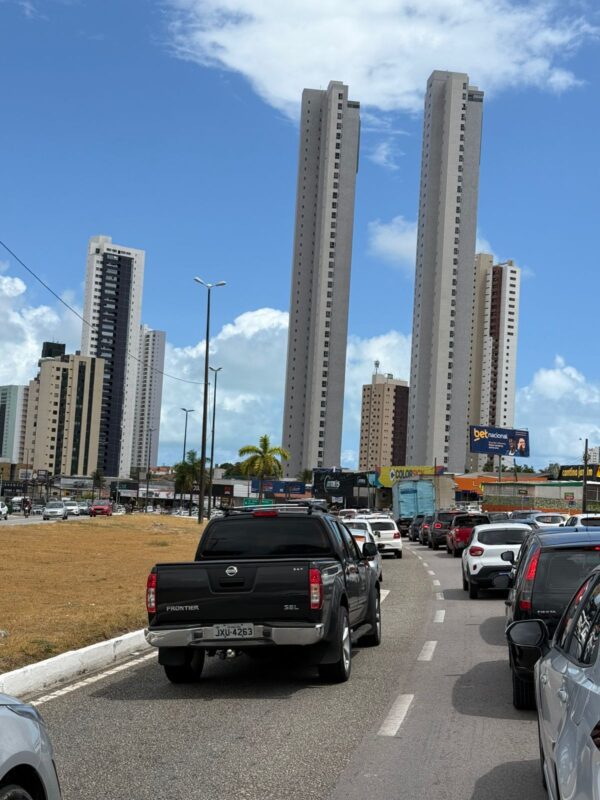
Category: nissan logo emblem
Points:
column 231, row 571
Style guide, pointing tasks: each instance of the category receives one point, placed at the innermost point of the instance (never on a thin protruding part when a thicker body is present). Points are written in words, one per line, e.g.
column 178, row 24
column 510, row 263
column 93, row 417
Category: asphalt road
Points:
column 427, row 714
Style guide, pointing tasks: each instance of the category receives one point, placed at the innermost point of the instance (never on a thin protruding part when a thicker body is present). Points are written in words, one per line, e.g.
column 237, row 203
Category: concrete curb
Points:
column 47, row 674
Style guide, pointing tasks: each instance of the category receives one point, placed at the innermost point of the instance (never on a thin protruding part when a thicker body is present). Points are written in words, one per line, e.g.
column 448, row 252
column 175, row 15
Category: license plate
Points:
column 243, row 630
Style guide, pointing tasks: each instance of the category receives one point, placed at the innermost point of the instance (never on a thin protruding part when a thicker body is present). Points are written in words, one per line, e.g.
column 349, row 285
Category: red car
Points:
column 460, row 531
column 101, row 508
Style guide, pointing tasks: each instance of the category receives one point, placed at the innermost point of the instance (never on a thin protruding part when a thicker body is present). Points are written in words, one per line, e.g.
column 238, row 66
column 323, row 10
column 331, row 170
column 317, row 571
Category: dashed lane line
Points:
column 427, row 651
column 439, row 615
column 383, row 594
column 439, row 595
column 436, row 583
column 396, row 716
column 431, row 572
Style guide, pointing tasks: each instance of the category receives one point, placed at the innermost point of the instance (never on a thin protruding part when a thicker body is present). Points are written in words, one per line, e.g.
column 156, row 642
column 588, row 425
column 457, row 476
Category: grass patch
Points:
column 67, row 585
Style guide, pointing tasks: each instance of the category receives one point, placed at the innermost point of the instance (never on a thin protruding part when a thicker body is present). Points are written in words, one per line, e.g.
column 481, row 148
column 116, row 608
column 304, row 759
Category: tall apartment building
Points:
column 64, row 415
column 495, row 334
column 318, row 327
column 151, row 364
column 441, row 359
column 112, row 304
column 13, row 414
column 383, row 422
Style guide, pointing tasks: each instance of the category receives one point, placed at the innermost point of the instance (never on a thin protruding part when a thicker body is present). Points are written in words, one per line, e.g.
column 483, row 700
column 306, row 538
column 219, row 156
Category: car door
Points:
column 352, row 575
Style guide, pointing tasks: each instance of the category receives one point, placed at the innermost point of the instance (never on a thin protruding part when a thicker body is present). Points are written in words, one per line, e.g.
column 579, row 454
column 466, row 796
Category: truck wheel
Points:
column 373, row 639
column 189, row 672
column 339, row 671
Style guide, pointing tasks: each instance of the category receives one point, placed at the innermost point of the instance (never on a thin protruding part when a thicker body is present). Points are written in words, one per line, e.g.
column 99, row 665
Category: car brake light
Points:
column 396, row 535
column 438, row 525
column 476, row 551
column 151, row 593
column 265, row 514
column 315, row 581
column 532, row 568
column 525, row 605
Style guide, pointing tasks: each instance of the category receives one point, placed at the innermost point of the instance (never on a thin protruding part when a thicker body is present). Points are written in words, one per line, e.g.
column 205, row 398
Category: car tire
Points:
column 523, row 693
column 435, row 546
column 339, row 671
column 14, row 792
column 429, row 545
column 398, row 553
column 45, row 518
column 455, row 552
column 189, row 672
column 373, row 639
column 473, row 590
column 465, row 582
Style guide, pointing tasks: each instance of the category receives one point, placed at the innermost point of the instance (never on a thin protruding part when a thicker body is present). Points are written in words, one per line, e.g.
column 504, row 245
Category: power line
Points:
column 85, row 321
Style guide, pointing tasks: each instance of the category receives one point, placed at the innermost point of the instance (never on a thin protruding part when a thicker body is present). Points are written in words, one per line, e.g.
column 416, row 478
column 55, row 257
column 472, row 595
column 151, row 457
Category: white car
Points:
column 481, row 558
column 387, row 535
column 361, row 533
column 72, row 507
column 3, row 510
column 587, row 520
column 55, row 509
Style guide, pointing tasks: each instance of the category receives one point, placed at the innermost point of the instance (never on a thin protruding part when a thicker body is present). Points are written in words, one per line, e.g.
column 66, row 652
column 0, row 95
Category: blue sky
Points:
column 171, row 126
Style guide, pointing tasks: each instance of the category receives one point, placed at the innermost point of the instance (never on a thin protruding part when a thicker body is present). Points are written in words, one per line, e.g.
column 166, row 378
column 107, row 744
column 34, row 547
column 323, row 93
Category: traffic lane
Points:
column 35, row 519
column 248, row 730
column 461, row 736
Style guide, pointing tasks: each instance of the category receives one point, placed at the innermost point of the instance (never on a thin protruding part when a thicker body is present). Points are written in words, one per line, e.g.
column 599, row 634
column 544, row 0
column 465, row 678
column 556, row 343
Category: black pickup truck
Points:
column 266, row 578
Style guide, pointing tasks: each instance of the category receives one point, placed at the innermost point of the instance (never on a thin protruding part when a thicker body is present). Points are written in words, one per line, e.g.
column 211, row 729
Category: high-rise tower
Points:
column 151, row 365
column 441, row 360
column 383, row 422
column 318, row 327
column 113, row 304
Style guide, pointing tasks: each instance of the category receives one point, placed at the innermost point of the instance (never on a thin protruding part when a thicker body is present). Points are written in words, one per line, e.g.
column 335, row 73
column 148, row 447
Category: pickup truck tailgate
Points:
column 199, row 592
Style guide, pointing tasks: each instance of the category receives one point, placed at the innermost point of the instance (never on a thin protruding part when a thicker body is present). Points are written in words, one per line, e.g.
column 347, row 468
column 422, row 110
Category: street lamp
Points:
column 216, row 370
column 208, row 287
column 186, row 411
column 584, row 483
column 151, row 431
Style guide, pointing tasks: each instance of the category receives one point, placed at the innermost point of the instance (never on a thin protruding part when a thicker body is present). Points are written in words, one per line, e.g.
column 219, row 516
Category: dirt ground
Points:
column 68, row 584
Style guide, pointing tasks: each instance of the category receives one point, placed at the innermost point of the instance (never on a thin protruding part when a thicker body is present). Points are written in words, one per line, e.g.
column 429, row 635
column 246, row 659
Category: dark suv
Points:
column 413, row 528
column 439, row 527
column 551, row 565
column 424, row 530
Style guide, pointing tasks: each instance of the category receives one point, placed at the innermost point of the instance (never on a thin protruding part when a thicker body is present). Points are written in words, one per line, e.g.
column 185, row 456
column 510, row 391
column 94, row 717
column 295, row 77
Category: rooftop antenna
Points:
column 377, row 365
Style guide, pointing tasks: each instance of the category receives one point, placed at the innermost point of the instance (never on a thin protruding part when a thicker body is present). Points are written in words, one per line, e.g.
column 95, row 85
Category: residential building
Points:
column 64, row 415
column 441, row 363
column 495, row 335
column 383, row 422
column 13, row 413
column 112, row 304
column 151, row 364
column 318, row 327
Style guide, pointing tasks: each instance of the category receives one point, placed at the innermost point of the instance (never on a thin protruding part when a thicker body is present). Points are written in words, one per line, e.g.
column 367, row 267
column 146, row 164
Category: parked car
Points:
column 72, row 507
column 439, row 527
column 587, row 520
column 413, row 528
column 548, row 573
column 27, row 768
column 3, row 510
column 481, row 558
column 266, row 578
column 387, row 535
column 101, row 508
column 361, row 531
column 460, row 531
column 84, row 508
column 55, row 509
column 423, row 537
column 37, row 508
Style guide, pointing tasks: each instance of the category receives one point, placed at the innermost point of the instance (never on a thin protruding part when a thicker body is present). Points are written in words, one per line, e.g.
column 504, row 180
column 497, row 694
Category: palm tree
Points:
column 187, row 474
column 262, row 461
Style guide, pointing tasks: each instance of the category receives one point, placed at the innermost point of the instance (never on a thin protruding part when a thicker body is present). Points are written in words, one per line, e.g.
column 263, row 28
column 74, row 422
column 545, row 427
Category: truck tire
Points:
column 189, row 672
column 339, row 671
column 373, row 639
column 14, row 792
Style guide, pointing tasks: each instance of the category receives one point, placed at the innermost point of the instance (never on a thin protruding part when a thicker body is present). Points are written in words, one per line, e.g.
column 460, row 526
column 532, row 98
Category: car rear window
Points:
column 383, row 526
column 470, row 522
column 504, row 536
column 361, row 526
column 445, row 517
column 561, row 571
column 263, row 537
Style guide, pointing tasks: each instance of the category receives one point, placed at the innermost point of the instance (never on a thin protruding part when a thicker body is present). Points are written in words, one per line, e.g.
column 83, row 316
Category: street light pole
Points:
column 216, row 370
column 186, row 412
column 584, row 485
column 209, row 287
column 151, row 431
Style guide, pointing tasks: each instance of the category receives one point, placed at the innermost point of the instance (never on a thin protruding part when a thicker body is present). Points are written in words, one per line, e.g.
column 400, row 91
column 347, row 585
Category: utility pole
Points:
column 216, row 371
column 584, row 483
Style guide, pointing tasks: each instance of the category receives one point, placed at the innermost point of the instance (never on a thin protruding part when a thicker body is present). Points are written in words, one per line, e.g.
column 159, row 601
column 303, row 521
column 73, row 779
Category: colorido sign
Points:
column 499, row 441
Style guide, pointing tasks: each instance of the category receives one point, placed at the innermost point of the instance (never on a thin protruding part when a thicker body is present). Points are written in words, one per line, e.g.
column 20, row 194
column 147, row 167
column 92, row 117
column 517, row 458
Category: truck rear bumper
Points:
column 264, row 635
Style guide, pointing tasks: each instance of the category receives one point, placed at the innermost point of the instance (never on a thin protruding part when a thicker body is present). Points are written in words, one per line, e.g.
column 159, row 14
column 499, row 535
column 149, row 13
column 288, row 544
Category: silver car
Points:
column 567, row 687
column 27, row 769
column 55, row 509
column 361, row 532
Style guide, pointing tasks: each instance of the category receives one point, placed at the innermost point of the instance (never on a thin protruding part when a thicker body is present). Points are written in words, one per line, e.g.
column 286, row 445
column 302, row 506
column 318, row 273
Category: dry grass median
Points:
column 70, row 584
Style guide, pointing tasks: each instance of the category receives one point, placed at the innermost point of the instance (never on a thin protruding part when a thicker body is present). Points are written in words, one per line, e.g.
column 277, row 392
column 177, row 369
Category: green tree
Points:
column 187, row 475
column 552, row 469
column 305, row 476
column 99, row 481
column 262, row 461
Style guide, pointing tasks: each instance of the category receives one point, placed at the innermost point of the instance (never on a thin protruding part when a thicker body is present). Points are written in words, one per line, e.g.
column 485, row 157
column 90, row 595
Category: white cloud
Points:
column 384, row 154
column 384, row 51
column 11, row 287
column 394, row 242
column 560, row 407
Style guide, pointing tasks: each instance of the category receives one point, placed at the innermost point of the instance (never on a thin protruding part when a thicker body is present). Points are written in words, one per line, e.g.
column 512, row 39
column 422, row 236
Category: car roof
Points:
column 500, row 526
column 557, row 537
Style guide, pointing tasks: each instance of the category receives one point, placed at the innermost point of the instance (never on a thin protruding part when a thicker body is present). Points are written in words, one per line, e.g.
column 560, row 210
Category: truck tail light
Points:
column 396, row 534
column 476, row 551
column 315, row 581
column 151, row 593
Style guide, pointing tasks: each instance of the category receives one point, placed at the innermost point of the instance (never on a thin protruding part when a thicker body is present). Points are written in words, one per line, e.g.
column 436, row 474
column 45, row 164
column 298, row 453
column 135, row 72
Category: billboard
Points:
column 499, row 441
column 336, row 484
column 279, row 487
column 389, row 475
column 574, row 472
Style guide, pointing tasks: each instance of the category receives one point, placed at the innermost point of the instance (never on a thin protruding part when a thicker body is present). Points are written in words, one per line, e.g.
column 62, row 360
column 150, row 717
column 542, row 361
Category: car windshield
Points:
column 102, row 503
column 263, row 537
column 383, row 526
column 504, row 536
column 55, row 504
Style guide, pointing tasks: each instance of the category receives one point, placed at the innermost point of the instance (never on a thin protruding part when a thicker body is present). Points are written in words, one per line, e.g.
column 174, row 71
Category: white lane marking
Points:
column 439, row 595
column 436, row 583
column 420, row 557
column 431, row 572
column 94, row 679
column 396, row 716
column 425, row 564
column 383, row 594
column 439, row 615
column 427, row 652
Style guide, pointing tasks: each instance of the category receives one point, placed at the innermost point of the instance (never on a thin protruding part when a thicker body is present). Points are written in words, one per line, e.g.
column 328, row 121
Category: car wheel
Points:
column 473, row 590
column 45, row 518
column 14, row 792
column 523, row 693
column 455, row 552
column 465, row 582
column 398, row 553
column 373, row 639
column 339, row 671
column 429, row 545
column 435, row 546
column 189, row 672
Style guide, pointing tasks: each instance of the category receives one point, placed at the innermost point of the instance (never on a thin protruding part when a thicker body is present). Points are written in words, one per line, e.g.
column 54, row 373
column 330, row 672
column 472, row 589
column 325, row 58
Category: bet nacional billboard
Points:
column 512, row 442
